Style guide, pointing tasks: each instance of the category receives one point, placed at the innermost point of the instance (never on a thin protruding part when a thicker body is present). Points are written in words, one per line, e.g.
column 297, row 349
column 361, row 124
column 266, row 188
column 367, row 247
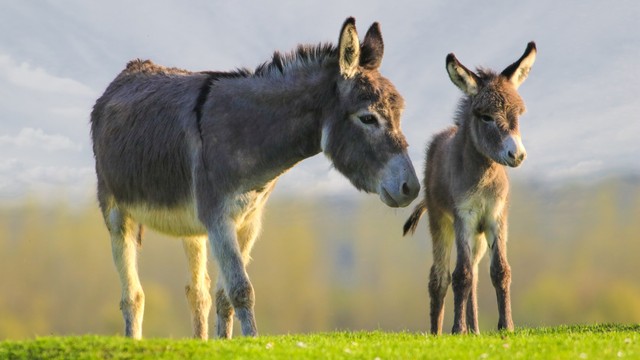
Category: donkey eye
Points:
column 486, row 118
column 368, row 119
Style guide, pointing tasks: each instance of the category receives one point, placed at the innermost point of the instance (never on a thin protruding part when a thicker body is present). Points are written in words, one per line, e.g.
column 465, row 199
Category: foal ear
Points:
column 372, row 48
column 349, row 49
column 517, row 72
column 465, row 79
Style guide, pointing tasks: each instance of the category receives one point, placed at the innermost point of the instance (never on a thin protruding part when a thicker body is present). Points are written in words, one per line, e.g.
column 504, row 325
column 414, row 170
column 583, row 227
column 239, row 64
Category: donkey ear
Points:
column 518, row 71
column 372, row 48
column 465, row 79
column 349, row 49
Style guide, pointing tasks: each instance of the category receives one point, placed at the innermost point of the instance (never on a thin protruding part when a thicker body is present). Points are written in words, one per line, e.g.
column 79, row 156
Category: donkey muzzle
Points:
column 399, row 185
column 513, row 152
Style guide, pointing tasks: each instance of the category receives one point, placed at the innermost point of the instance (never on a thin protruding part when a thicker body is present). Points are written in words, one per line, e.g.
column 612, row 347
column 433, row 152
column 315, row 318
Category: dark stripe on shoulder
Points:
column 205, row 89
column 213, row 76
column 202, row 96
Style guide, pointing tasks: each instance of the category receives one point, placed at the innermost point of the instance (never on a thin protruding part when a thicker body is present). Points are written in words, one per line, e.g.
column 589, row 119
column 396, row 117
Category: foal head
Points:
column 493, row 107
column 363, row 137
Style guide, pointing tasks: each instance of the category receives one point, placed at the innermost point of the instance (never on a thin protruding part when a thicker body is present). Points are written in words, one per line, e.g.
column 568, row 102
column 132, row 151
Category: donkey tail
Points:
column 412, row 221
column 140, row 235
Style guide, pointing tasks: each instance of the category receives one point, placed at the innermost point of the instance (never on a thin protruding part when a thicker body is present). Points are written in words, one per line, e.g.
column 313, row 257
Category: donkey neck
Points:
column 269, row 121
column 295, row 101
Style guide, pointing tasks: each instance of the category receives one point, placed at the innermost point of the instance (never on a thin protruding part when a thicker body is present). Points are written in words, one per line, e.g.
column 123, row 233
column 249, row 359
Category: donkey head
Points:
column 493, row 106
column 362, row 137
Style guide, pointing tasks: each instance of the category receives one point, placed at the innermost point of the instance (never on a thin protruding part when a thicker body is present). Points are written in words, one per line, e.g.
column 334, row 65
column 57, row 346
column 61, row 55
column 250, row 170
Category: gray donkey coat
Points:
column 196, row 155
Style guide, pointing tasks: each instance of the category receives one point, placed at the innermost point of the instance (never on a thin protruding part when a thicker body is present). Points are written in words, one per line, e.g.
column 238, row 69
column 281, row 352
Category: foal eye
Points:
column 368, row 119
column 486, row 118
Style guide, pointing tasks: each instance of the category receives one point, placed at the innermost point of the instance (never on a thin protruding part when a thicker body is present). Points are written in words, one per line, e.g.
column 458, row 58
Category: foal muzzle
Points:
column 513, row 152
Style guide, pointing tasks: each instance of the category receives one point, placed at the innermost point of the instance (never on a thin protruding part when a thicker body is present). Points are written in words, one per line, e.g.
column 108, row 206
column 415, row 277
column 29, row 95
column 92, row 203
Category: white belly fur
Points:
column 179, row 221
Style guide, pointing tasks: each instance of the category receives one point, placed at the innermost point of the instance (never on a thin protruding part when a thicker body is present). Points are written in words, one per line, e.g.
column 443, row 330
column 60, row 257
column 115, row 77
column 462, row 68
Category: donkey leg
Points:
column 124, row 251
column 236, row 282
column 198, row 289
column 440, row 276
column 462, row 277
column 478, row 251
column 246, row 235
column 501, row 276
column 224, row 312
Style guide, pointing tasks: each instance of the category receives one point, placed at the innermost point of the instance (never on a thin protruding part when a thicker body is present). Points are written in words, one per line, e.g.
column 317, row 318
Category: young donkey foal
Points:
column 466, row 190
column 196, row 155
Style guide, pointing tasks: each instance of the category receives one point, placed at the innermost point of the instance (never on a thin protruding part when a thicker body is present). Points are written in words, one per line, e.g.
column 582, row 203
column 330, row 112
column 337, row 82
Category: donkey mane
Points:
column 485, row 74
column 302, row 56
column 464, row 104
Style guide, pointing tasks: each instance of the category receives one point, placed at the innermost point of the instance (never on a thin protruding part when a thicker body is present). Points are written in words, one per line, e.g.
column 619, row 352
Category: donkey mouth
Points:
column 398, row 185
column 510, row 162
column 514, row 163
column 388, row 199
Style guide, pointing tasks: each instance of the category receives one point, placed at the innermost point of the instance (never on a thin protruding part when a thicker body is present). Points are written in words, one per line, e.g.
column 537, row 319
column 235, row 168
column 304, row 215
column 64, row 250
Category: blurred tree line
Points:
column 328, row 264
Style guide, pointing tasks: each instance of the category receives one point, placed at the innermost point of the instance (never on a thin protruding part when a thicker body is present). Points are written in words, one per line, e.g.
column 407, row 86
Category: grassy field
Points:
column 576, row 342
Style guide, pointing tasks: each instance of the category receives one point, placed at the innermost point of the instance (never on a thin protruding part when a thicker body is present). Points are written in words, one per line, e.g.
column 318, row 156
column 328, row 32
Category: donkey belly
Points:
column 179, row 221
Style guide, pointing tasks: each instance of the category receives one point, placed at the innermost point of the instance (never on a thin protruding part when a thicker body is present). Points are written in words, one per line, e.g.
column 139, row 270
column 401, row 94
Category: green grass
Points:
column 573, row 342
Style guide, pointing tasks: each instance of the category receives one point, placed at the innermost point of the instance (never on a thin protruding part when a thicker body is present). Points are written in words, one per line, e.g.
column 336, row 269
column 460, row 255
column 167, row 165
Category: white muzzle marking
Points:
column 399, row 185
column 513, row 151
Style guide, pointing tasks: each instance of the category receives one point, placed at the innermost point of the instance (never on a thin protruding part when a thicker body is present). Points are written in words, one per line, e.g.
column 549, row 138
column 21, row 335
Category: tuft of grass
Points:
column 565, row 342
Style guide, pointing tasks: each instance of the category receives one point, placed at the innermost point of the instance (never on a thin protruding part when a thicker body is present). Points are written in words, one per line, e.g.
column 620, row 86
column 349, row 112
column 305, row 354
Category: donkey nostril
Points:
column 511, row 155
column 405, row 189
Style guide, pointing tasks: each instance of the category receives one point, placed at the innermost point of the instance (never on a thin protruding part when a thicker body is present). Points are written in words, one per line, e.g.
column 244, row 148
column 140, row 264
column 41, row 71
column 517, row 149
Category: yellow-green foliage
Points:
column 322, row 265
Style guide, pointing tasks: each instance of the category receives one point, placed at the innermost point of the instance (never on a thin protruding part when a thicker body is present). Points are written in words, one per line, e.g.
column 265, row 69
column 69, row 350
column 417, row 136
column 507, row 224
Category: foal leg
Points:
column 501, row 275
column 479, row 247
column 197, row 291
column 124, row 250
column 462, row 276
column 439, row 277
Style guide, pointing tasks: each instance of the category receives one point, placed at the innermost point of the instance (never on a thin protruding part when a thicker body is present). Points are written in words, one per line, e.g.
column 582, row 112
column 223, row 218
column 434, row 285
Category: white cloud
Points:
column 29, row 137
column 37, row 78
column 9, row 165
column 18, row 178
column 10, row 185
column 52, row 175
column 71, row 112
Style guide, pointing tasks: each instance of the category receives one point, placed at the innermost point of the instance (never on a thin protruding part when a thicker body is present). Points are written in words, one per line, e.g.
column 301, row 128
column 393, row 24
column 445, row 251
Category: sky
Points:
column 582, row 123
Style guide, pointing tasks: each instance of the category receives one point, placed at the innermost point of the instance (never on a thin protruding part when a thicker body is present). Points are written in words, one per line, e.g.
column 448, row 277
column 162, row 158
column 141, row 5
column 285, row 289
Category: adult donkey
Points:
column 196, row 155
column 466, row 189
